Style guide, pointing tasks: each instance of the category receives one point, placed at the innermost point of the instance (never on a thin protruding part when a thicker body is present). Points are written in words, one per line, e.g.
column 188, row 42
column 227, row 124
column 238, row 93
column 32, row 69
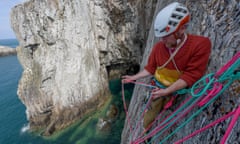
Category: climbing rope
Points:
column 226, row 75
column 235, row 112
column 203, row 92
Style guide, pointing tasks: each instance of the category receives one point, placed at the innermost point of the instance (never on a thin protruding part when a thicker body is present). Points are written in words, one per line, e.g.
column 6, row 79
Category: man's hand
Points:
column 127, row 79
column 179, row 84
column 157, row 92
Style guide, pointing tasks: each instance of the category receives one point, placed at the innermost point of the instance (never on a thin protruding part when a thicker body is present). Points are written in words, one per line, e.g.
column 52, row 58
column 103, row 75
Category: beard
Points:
column 178, row 38
column 171, row 44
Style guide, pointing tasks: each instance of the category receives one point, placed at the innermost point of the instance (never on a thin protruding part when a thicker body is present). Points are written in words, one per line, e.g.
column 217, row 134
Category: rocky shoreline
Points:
column 5, row 51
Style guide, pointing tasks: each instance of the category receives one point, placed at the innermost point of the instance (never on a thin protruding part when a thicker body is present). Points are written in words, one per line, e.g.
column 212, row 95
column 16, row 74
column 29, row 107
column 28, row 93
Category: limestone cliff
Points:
column 219, row 20
column 70, row 49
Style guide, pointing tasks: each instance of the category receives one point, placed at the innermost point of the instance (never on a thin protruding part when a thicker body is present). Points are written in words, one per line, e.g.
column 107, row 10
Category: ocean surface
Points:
column 14, row 127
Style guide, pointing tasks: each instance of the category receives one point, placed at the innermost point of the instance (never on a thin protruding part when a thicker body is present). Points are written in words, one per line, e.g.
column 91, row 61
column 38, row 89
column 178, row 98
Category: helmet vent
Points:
column 181, row 10
column 176, row 16
column 172, row 23
column 162, row 30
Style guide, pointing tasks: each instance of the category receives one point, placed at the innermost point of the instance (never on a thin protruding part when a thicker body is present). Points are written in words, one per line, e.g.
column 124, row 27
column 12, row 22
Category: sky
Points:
column 6, row 31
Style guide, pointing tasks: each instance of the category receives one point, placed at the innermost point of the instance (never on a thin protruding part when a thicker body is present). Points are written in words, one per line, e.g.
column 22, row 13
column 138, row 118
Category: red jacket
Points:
column 192, row 58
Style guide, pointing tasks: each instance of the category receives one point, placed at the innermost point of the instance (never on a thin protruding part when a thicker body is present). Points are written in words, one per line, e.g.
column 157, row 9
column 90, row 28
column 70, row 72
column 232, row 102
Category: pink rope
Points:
column 142, row 115
column 147, row 105
column 217, row 87
column 159, row 116
column 204, row 128
column 231, row 125
column 140, row 140
column 226, row 66
column 141, row 83
column 125, row 108
column 158, row 128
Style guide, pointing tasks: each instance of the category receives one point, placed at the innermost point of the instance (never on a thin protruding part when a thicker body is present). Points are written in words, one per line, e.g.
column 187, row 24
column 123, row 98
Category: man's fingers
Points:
column 126, row 81
column 155, row 90
column 154, row 97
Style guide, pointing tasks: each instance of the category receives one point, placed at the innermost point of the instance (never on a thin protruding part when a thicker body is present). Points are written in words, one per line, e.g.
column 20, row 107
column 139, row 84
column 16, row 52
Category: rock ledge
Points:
column 5, row 51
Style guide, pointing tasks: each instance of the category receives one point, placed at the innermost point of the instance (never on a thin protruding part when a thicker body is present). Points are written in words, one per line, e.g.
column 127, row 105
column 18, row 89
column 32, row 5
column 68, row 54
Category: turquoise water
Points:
column 14, row 125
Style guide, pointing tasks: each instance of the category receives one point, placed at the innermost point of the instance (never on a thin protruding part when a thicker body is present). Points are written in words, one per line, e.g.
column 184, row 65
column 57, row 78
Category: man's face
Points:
column 170, row 41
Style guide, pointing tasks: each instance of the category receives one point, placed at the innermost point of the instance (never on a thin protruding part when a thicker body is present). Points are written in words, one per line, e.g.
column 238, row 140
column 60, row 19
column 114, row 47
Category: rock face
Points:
column 5, row 51
column 219, row 20
column 70, row 49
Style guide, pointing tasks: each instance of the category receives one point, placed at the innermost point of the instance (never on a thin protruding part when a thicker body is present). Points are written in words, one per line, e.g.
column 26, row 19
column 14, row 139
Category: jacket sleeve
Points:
column 197, row 64
column 152, row 64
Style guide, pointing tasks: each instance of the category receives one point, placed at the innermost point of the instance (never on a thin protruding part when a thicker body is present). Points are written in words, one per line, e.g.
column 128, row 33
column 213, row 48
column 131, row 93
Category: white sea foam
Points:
column 25, row 128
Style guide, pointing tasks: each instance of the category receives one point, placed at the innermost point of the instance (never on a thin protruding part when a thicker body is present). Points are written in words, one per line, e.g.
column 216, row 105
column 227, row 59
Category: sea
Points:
column 14, row 128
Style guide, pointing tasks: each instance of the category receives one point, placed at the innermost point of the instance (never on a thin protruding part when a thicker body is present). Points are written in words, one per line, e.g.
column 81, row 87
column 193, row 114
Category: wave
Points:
column 25, row 128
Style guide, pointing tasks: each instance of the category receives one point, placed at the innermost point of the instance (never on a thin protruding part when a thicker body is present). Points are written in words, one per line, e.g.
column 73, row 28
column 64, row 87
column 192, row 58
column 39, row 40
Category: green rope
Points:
column 195, row 114
column 192, row 101
column 198, row 90
column 227, row 75
column 196, row 86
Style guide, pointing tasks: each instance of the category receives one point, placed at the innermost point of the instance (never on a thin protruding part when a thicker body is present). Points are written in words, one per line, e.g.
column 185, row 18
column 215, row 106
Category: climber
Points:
column 176, row 61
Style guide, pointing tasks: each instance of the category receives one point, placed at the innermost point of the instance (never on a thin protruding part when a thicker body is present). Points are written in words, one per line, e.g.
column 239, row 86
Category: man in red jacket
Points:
column 178, row 60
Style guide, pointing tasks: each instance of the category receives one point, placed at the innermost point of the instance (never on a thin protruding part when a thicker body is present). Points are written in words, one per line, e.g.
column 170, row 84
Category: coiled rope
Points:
column 203, row 93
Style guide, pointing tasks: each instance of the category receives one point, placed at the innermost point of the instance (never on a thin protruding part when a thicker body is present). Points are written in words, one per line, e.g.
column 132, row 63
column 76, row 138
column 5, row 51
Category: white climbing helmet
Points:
column 170, row 18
